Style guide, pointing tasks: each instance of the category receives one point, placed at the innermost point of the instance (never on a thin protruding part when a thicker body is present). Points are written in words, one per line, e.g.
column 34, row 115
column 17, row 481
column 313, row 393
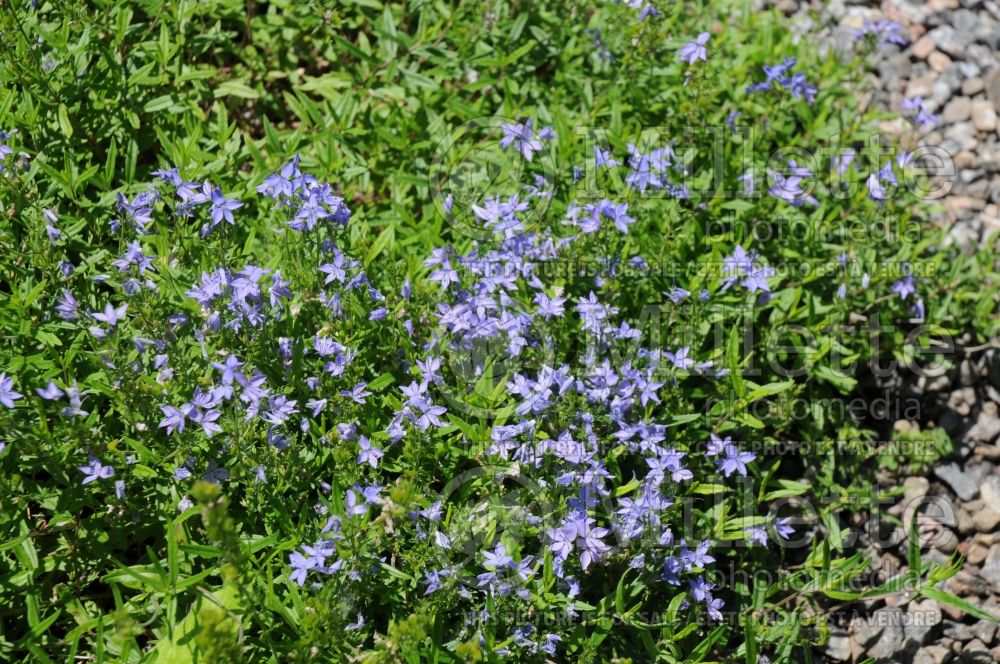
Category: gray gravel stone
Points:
column 988, row 35
column 976, row 554
column 993, row 358
column 839, row 648
column 991, row 82
column 940, row 93
column 922, row 624
column 962, row 483
column 959, row 109
column 965, row 22
column 966, row 584
column 982, row 55
column 969, row 69
column 947, row 39
column 985, row 630
column 972, row 86
column 976, row 652
column 934, row 654
column 958, row 631
column 962, row 400
column 984, row 116
column 881, row 634
column 963, row 135
column 986, row 520
column 989, row 489
column 991, row 568
column 893, row 71
column 987, row 426
column 940, row 63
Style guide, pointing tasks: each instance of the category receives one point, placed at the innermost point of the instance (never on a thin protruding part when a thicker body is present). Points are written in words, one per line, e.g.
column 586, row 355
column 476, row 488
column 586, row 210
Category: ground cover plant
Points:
column 406, row 332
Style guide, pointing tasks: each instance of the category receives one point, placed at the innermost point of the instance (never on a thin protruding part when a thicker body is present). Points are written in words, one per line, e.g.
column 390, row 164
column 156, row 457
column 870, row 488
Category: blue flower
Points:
column 756, row 535
column 521, row 134
column 357, row 394
column 561, row 540
column 174, row 420
column 734, row 460
column 789, row 189
column 552, row 639
column 876, row 191
column 676, row 294
column 604, row 158
column 222, row 207
column 700, row 588
column 916, row 107
column 215, row 474
column 795, row 83
column 95, row 470
column 50, row 392
column 7, row 394
column 230, row 369
column 433, row 579
column 783, row 528
column 369, row 453
column 300, row 567
column 905, row 287
column 280, row 184
column 699, row 558
column 50, row 228
column 714, row 606
column 497, row 558
column 111, row 315
column 588, row 539
column 885, row 32
column 694, row 50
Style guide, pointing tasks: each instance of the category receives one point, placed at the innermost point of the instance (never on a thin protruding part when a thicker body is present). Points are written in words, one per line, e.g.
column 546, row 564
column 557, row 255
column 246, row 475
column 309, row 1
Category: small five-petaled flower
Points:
column 694, row 50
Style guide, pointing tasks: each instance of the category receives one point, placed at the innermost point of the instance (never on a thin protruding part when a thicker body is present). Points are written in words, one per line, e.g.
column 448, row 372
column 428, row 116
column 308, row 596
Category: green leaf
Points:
column 235, row 88
column 159, row 104
column 383, row 381
column 48, row 339
column 181, row 648
column 759, row 392
column 913, row 554
column 385, row 238
column 709, row 489
column 842, row 382
column 627, row 488
column 788, row 488
column 941, row 596
column 64, row 124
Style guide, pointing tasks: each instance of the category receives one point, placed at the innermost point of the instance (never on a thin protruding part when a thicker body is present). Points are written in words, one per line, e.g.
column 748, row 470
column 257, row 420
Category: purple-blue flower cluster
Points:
column 782, row 76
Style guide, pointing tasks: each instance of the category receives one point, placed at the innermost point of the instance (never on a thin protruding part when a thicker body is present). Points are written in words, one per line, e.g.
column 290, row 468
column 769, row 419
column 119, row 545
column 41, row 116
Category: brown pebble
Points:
column 976, row 553
column 938, row 61
column 923, row 47
column 972, row 86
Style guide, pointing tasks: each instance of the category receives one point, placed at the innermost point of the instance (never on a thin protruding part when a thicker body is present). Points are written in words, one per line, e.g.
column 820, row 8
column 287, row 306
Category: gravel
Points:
column 953, row 63
column 963, row 483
